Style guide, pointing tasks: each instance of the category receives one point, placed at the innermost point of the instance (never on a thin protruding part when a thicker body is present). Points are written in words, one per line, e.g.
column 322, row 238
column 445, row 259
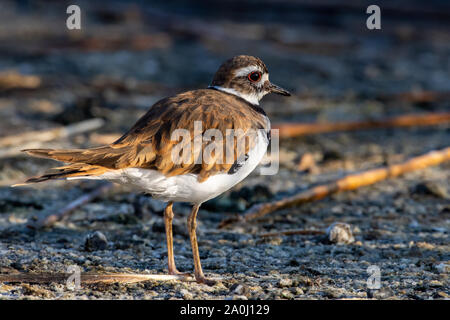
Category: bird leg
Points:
column 168, row 217
column 192, row 226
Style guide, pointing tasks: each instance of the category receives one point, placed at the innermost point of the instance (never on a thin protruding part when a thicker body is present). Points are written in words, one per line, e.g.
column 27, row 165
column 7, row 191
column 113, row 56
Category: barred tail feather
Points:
column 71, row 170
column 71, row 155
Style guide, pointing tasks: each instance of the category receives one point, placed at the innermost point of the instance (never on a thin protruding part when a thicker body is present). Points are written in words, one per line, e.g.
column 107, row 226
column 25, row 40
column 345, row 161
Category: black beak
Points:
column 278, row 90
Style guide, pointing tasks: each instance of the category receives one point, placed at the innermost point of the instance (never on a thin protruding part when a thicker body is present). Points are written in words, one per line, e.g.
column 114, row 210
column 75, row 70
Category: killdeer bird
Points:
column 144, row 156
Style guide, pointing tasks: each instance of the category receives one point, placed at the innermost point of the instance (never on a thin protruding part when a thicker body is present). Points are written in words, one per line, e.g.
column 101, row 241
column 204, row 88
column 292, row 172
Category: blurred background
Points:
column 130, row 54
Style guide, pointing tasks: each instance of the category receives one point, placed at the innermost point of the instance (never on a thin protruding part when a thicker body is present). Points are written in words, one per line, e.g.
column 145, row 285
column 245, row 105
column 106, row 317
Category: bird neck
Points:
column 251, row 98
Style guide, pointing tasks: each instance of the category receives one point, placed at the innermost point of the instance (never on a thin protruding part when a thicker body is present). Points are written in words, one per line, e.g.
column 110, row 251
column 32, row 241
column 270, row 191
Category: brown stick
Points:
column 50, row 134
column 12, row 145
column 304, row 232
column 87, row 277
column 47, row 220
column 347, row 183
column 289, row 130
column 12, row 80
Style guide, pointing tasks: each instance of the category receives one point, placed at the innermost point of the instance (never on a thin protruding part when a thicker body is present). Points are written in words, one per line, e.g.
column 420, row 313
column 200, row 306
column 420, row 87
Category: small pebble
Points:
column 186, row 294
column 340, row 233
column 298, row 291
column 442, row 267
column 237, row 289
column 287, row 294
column 283, row 283
column 432, row 188
column 435, row 283
column 238, row 297
column 333, row 293
column 95, row 241
column 382, row 293
column 414, row 225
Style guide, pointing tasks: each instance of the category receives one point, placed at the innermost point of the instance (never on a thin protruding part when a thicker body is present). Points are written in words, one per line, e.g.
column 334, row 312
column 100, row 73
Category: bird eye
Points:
column 254, row 76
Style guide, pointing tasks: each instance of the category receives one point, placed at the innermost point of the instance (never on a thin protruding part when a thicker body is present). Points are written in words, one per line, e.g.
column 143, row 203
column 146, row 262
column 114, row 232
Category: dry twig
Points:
column 51, row 134
column 419, row 96
column 87, row 277
column 33, row 139
column 14, row 80
column 347, row 183
column 47, row 220
column 289, row 130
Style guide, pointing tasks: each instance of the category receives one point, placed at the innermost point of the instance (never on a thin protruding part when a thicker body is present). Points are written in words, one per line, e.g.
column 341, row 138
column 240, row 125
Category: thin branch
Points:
column 289, row 130
column 47, row 220
column 51, row 134
column 347, row 183
column 87, row 277
column 14, row 80
column 12, row 145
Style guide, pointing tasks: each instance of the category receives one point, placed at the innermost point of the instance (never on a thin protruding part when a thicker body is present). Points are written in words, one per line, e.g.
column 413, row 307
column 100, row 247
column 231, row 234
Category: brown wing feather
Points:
column 149, row 144
column 216, row 110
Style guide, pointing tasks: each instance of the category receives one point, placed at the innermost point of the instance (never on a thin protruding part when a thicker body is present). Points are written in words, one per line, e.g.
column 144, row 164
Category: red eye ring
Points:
column 254, row 76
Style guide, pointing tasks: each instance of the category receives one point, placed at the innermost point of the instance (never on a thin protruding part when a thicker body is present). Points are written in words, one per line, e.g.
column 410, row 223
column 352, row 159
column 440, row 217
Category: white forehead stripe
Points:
column 246, row 70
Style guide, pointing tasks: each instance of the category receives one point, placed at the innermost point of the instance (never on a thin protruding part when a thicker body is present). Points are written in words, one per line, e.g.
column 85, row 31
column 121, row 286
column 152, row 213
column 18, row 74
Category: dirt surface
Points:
column 127, row 56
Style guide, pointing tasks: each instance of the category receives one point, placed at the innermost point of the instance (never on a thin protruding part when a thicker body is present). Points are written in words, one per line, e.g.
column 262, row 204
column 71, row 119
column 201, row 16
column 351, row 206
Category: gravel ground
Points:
column 400, row 226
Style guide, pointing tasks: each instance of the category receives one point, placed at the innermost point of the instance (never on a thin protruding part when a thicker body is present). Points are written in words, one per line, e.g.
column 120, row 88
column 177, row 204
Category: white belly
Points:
column 186, row 188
